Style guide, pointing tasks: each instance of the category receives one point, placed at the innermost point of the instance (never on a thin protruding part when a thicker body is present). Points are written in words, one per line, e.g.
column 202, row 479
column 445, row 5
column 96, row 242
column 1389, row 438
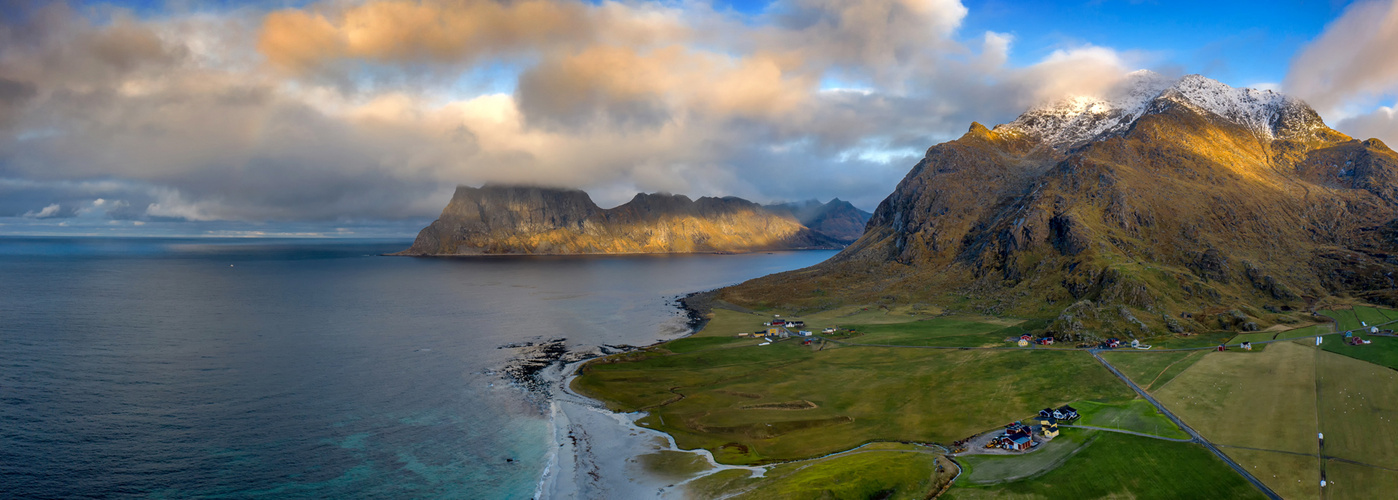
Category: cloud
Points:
column 1381, row 123
column 46, row 212
column 354, row 111
column 1356, row 57
column 447, row 31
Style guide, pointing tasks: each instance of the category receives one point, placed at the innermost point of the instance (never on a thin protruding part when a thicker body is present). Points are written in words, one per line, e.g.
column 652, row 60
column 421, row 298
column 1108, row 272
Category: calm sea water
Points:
column 295, row 368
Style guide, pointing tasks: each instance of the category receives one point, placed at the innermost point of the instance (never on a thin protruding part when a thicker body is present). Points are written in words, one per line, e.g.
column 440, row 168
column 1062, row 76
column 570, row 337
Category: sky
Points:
column 358, row 118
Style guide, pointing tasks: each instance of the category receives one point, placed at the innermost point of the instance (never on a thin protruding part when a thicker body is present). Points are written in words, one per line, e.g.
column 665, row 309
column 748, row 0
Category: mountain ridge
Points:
column 1210, row 200
column 533, row 220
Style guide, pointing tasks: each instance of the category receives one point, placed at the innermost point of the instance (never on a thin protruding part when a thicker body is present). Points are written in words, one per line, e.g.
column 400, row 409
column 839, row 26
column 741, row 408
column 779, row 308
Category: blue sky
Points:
column 223, row 116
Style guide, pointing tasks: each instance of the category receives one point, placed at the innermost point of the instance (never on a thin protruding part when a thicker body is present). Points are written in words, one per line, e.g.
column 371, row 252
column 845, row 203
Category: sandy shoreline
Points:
column 595, row 450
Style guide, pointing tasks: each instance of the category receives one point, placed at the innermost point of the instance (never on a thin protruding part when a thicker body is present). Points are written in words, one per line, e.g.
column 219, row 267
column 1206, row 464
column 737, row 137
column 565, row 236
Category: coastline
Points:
column 595, row 451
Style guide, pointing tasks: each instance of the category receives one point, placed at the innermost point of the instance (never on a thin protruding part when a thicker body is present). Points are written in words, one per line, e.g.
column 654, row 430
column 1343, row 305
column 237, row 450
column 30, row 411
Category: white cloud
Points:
column 48, row 211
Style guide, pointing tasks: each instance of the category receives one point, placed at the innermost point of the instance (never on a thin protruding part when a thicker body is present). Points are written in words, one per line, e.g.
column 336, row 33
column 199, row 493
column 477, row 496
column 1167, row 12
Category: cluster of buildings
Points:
column 1019, row 436
column 780, row 329
column 1026, row 339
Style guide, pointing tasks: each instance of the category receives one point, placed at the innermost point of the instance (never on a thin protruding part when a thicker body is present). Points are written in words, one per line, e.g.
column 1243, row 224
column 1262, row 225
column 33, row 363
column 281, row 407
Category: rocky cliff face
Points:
column 534, row 220
column 1166, row 198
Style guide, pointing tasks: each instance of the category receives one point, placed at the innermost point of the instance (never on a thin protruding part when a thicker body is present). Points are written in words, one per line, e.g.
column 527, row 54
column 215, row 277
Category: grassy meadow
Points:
column 993, row 469
column 1357, row 482
column 1358, row 409
column 752, row 404
column 1136, row 415
column 1116, row 465
column 1259, row 400
column 1294, row 477
column 1152, row 370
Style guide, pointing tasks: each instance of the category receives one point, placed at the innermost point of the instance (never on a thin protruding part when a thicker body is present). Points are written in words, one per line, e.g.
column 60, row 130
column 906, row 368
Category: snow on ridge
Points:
column 1076, row 120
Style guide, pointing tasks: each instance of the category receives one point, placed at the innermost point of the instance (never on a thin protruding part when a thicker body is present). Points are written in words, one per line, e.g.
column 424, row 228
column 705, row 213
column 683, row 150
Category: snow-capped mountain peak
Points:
column 1076, row 120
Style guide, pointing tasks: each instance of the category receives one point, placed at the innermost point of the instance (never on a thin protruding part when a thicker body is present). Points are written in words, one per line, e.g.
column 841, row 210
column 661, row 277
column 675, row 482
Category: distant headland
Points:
column 532, row 220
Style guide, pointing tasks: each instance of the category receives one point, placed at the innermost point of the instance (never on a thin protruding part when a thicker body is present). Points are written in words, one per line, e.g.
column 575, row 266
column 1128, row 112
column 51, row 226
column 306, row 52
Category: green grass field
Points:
column 991, row 469
column 1305, row 331
column 1356, row 482
column 935, row 332
column 856, row 475
column 1357, row 316
column 1294, row 477
column 1152, row 370
column 1135, row 415
column 750, row 404
column 1261, row 400
column 674, row 465
column 1358, row 409
column 1124, row 466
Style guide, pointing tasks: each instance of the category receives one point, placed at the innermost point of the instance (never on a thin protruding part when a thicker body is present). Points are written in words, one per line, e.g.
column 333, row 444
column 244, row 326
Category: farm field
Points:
column 1383, row 351
column 1358, row 409
column 750, row 404
column 1135, row 415
column 1294, row 477
column 1358, row 316
column 1152, row 370
column 1124, row 466
column 991, row 469
column 1357, row 482
column 1259, row 400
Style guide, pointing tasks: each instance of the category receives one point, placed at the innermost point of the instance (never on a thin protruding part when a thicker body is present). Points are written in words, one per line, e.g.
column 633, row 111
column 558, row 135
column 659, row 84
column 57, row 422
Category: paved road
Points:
column 1197, row 437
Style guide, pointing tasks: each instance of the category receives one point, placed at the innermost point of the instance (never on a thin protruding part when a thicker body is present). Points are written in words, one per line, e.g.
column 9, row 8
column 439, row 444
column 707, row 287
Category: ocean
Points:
column 253, row 368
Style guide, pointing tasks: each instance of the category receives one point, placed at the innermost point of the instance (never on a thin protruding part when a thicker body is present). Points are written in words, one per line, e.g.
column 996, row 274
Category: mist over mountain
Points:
column 1157, row 208
column 837, row 219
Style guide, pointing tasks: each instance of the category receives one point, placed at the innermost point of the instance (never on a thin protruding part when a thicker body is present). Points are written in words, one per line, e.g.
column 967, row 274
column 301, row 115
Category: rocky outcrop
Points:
column 536, row 220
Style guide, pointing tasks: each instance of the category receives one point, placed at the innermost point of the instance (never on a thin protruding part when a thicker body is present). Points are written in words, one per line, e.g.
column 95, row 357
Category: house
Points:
column 1046, row 413
column 1045, row 341
column 778, row 322
column 1021, row 443
column 828, row 331
column 1048, row 427
column 1113, row 343
column 1247, row 346
column 1023, row 343
column 796, row 324
column 805, row 333
column 1065, row 412
column 807, row 341
column 1224, row 347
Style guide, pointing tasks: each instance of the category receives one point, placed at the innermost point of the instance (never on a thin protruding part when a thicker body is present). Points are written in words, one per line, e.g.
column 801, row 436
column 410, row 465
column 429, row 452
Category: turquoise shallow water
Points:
column 300, row 368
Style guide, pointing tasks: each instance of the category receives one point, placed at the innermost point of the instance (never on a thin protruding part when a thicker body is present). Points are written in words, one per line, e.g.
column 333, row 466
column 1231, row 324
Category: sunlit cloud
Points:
column 338, row 110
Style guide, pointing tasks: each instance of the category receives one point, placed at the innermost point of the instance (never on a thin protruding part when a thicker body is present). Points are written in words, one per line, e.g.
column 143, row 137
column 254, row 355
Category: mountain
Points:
column 1166, row 205
column 837, row 219
column 536, row 220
